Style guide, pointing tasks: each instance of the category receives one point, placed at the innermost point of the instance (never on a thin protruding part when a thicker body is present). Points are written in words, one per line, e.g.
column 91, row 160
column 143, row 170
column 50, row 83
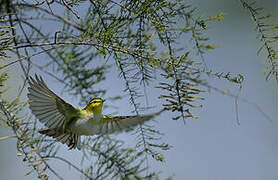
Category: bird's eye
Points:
column 94, row 101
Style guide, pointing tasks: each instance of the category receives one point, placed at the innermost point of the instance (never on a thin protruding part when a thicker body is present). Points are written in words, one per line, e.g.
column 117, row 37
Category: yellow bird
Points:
column 66, row 123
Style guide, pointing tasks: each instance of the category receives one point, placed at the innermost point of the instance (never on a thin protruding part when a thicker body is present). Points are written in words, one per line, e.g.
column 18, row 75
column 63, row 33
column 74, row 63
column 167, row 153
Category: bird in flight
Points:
column 66, row 123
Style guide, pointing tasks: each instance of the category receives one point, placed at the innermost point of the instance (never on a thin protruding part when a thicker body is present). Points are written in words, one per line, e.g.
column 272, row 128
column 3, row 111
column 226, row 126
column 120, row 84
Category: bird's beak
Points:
column 103, row 100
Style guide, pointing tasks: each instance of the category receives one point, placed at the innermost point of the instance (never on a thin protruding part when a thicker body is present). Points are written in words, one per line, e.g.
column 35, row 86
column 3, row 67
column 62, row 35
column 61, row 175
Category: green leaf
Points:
column 217, row 17
column 182, row 58
column 275, row 26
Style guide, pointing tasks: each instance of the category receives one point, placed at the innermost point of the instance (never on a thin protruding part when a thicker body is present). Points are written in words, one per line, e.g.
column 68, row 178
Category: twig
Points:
column 271, row 54
column 69, row 8
column 70, row 164
column 26, row 57
column 112, row 47
column 76, row 26
column 236, row 97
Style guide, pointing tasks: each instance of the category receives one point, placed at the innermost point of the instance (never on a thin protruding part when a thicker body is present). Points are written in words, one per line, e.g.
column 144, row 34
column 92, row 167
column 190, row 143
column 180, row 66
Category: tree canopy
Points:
column 151, row 44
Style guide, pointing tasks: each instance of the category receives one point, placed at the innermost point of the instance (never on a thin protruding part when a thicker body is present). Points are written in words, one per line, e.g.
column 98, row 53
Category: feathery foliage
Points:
column 267, row 34
column 146, row 42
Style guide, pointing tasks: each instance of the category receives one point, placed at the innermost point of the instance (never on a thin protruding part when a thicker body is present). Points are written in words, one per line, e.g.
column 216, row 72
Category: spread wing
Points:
column 49, row 108
column 112, row 124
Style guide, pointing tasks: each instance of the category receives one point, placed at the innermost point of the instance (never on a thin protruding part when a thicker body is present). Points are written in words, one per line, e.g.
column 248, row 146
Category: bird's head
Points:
column 95, row 105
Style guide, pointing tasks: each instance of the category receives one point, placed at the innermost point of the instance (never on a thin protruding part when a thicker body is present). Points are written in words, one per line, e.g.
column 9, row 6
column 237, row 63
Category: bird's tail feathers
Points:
column 72, row 140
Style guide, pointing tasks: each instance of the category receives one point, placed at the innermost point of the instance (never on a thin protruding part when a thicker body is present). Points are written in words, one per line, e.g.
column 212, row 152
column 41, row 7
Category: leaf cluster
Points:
column 267, row 34
column 147, row 42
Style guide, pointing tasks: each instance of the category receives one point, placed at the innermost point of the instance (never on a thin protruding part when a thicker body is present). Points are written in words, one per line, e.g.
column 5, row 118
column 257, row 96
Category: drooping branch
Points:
column 266, row 37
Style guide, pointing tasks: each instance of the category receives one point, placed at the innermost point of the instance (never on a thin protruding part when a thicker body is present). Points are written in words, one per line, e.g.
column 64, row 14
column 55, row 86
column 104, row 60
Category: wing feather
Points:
column 47, row 118
column 38, row 98
column 49, row 108
column 45, row 113
column 112, row 124
column 40, row 107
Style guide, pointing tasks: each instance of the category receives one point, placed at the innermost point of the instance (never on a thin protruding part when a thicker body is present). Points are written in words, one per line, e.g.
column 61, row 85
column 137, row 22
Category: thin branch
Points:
column 236, row 97
column 266, row 43
column 76, row 26
column 15, row 131
column 69, row 8
column 70, row 164
column 25, row 57
column 124, row 50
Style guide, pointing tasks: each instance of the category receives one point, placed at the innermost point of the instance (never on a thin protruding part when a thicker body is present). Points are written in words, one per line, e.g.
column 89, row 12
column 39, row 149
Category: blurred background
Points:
column 213, row 147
